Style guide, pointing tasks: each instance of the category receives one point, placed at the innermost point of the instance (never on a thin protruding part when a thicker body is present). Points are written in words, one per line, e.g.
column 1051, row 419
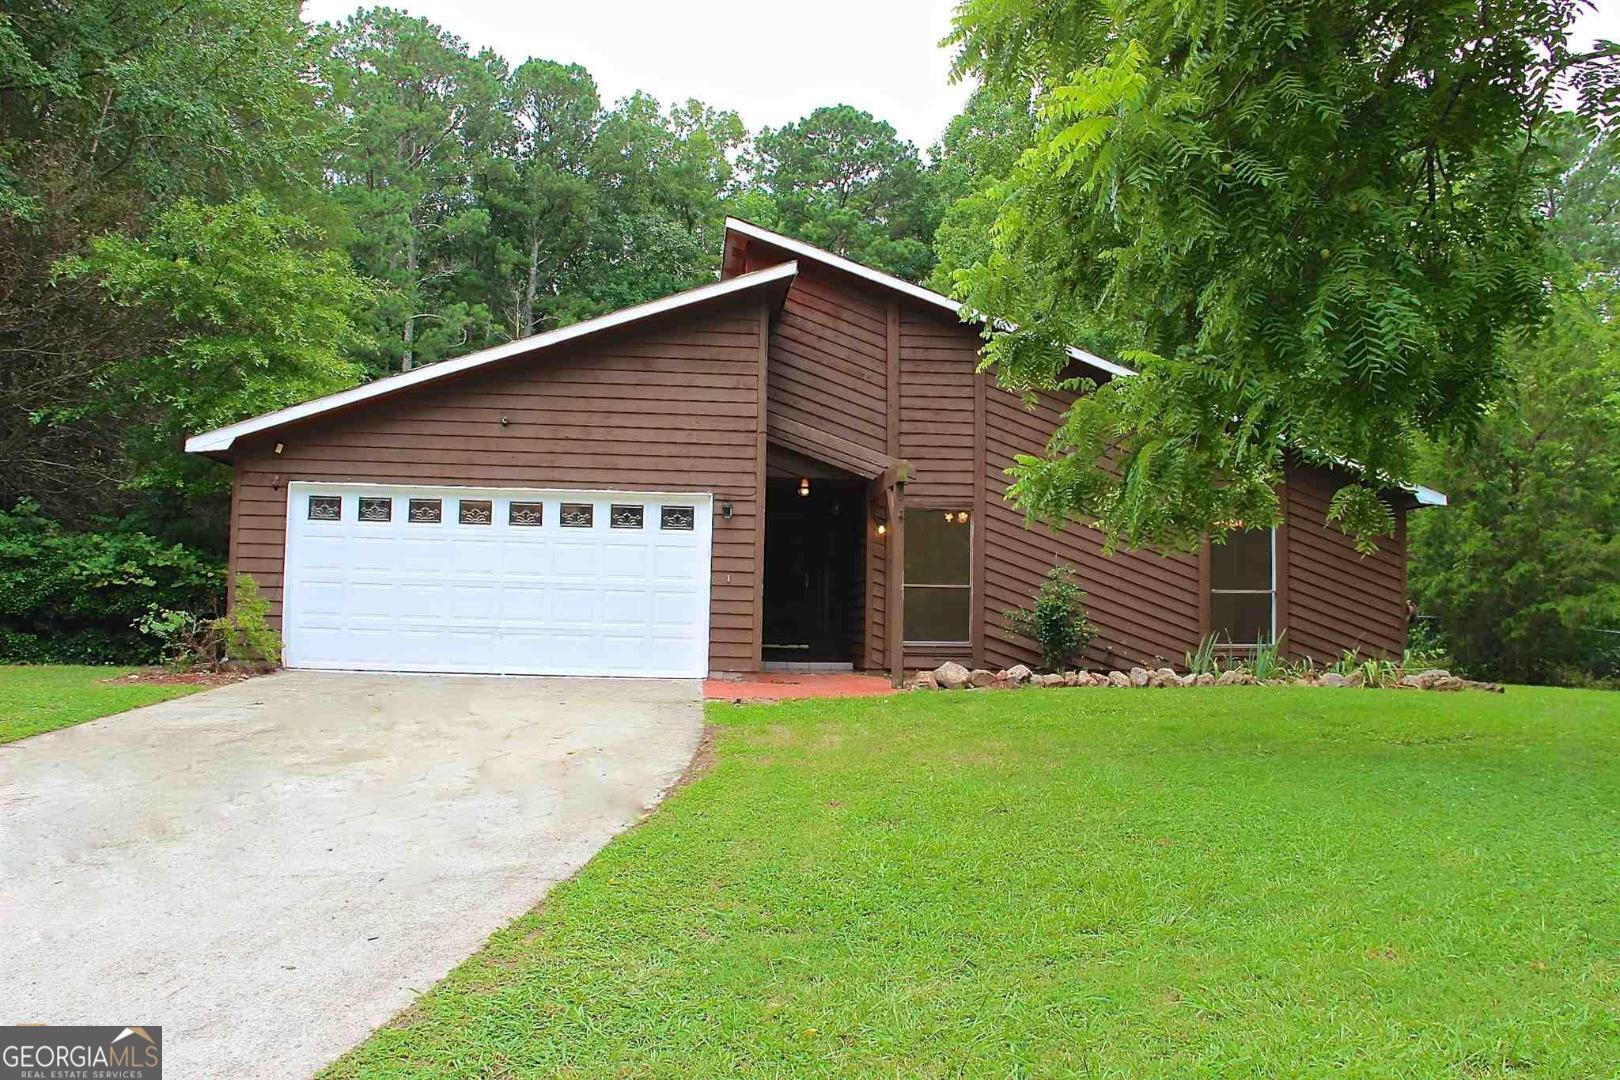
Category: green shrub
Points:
column 245, row 631
column 1058, row 620
column 77, row 597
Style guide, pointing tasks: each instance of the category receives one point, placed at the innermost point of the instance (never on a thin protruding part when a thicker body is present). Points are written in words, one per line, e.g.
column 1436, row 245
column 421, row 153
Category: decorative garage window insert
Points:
column 938, row 581
column 426, row 511
column 373, row 508
column 476, row 512
column 526, row 513
column 577, row 515
column 325, row 507
column 677, row 518
column 626, row 517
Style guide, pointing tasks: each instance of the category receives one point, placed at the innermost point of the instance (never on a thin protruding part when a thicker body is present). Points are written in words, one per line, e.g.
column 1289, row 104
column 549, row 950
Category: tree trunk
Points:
column 528, row 290
column 407, row 361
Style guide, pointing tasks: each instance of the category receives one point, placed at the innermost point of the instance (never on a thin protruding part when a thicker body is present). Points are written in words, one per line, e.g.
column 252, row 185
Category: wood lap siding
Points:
column 1143, row 605
column 938, row 355
column 827, row 361
column 671, row 405
column 1338, row 599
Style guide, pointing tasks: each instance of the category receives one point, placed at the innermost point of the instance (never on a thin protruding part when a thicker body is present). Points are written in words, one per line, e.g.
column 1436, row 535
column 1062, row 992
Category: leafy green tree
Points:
column 541, row 194
column 662, row 179
column 1584, row 206
column 980, row 147
column 1311, row 225
column 246, row 310
column 844, row 181
column 1522, row 571
column 419, row 116
column 110, row 110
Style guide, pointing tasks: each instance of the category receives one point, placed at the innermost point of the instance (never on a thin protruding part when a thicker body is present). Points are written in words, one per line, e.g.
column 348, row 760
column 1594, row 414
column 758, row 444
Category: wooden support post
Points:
column 895, row 582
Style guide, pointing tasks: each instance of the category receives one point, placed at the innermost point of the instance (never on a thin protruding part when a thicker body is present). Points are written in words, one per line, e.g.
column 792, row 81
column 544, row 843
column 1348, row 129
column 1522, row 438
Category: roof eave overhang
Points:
column 217, row 444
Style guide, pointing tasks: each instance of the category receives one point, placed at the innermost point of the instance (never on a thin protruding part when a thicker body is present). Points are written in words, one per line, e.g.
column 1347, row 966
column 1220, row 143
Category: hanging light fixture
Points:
column 804, row 485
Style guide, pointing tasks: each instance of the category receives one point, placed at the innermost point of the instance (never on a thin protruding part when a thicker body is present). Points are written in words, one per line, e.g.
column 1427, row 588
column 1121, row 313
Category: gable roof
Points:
column 220, row 440
column 803, row 250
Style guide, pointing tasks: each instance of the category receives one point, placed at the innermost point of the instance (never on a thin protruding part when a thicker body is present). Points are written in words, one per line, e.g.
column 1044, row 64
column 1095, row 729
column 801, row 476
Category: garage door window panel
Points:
column 426, row 511
column 626, row 517
column 325, row 508
column 376, row 509
column 577, row 515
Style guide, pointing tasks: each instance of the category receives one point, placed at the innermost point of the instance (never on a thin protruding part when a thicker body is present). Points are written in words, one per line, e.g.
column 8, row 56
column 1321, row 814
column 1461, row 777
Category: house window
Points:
column 939, row 577
column 1243, row 587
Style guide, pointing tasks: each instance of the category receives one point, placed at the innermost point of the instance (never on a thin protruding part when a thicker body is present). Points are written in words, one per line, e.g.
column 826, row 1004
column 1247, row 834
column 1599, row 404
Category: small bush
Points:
column 77, row 597
column 1058, row 620
column 245, row 631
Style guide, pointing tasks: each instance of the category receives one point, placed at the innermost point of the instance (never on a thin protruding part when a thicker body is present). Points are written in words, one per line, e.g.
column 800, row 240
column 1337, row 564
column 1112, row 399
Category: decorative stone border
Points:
column 953, row 676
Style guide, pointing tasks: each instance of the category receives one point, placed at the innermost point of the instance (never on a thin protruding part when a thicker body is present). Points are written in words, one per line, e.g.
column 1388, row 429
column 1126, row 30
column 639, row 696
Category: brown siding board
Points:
column 1339, row 599
column 1144, row 605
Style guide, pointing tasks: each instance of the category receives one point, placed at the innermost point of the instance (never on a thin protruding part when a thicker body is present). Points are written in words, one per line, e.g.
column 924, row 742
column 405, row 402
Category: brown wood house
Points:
column 795, row 465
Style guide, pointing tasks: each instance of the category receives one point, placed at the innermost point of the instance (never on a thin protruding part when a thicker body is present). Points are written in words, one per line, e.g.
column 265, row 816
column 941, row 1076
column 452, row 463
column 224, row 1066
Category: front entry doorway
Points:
column 815, row 533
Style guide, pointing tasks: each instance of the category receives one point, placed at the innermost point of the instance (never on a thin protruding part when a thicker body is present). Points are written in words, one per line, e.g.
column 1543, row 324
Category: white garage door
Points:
column 497, row 580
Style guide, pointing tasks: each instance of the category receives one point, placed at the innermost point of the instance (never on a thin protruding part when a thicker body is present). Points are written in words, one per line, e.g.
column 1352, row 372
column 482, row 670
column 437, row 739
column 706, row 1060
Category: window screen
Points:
column 939, row 574
column 1243, row 588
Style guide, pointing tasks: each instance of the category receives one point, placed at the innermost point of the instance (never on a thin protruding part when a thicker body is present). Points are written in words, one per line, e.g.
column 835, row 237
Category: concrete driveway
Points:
column 272, row 869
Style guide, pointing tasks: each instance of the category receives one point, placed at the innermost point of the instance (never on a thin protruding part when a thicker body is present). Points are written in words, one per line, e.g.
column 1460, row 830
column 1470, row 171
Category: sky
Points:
column 771, row 62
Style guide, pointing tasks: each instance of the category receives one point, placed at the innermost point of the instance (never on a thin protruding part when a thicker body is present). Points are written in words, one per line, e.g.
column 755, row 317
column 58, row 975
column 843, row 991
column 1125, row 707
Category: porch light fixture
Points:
column 882, row 523
column 804, row 485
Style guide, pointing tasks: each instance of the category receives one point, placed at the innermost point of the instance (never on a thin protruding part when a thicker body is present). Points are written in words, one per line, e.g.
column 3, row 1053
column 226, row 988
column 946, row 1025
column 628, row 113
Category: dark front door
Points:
column 813, row 569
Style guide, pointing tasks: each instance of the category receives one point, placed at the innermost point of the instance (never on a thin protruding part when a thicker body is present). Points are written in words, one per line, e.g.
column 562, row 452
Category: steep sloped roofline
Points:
column 221, row 440
column 889, row 281
column 1425, row 496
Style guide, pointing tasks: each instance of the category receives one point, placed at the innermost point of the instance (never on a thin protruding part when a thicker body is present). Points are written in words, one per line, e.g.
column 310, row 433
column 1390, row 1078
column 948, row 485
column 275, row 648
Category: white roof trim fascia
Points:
column 223, row 438
column 889, row 281
column 1425, row 496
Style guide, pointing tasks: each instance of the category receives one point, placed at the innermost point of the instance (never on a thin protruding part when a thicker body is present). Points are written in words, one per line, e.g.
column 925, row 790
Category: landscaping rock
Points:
column 1448, row 683
column 1236, row 678
column 951, row 675
column 1140, row 676
column 1018, row 673
column 1333, row 678
column 1487, row 687
column 1119, row 678
column 1086, row 678
column 1163, row 677
column 1206, row 679
column 925, row 681
column 1053, row 679
column 981, row 677
column 1186, row 680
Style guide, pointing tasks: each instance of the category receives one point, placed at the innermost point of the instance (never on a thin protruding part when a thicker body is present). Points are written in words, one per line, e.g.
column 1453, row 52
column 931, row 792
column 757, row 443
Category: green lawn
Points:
column 37, row 699
column 1223, row 882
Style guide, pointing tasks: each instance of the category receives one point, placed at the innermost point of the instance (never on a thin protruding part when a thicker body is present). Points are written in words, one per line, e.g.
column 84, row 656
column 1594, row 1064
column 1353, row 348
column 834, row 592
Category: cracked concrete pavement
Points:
column 272, row 869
